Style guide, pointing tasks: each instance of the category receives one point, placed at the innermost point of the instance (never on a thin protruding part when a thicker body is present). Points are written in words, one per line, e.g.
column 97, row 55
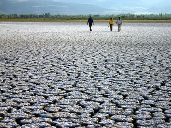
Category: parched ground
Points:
column 62, row 75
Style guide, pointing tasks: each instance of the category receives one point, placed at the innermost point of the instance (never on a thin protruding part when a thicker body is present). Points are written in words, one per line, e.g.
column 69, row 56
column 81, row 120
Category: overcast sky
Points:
column 122, row 3
column 126, row 6
column 134, row 5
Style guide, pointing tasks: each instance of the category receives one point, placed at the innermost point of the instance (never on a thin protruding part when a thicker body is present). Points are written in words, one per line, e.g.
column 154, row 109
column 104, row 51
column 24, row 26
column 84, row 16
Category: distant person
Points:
column 111, row 24
column 119, row 22
column 90, row 22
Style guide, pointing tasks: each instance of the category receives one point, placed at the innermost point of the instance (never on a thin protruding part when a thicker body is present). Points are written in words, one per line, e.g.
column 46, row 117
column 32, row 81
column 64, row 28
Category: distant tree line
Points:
column 128, row 16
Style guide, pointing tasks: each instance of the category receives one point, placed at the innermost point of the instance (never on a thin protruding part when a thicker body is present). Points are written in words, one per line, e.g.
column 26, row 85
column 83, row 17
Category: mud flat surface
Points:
column 62, row 75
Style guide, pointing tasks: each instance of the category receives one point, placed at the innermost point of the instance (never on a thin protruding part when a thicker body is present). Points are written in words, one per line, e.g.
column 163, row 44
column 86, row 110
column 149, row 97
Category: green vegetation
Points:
column 48, row 17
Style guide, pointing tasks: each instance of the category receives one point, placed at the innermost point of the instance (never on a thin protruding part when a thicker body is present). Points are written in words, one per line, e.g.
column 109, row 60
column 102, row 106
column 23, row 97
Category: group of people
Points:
column 90, row 22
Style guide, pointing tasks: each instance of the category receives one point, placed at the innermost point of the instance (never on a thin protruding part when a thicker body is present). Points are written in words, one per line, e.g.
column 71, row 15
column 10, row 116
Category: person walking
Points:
column 119, row 22
column 90, row 22
column 111, row 24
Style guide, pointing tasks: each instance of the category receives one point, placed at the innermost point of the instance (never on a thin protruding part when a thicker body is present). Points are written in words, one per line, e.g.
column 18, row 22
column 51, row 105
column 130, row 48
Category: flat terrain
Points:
column 62, row 75
column 65, row 20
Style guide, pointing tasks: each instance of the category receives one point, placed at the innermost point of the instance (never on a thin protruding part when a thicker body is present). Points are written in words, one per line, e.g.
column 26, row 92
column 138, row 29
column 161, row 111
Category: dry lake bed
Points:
column 62, row 75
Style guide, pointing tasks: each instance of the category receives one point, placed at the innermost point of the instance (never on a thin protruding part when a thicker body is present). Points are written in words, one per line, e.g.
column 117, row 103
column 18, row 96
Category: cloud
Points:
column 134, row 10
column 16, row 1
column 21, row 0
column 126, row 6
column 138, row 8
column 101, row 0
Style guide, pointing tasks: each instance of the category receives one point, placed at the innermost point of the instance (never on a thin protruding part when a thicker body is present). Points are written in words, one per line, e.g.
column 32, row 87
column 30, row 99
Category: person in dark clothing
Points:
column 90, row 22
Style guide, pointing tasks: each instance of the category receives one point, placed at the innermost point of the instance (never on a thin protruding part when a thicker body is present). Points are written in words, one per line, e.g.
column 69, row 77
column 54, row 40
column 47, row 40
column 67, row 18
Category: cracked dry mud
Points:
column 62, row 75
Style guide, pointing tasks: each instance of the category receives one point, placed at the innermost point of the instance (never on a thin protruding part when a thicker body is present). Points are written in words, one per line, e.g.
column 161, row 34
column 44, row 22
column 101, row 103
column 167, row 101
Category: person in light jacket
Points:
column 119, row 23
column 90, row 22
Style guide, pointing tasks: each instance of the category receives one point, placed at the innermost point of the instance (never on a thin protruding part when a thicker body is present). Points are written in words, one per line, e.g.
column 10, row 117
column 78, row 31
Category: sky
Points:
column 126, row 6
column 134, row 6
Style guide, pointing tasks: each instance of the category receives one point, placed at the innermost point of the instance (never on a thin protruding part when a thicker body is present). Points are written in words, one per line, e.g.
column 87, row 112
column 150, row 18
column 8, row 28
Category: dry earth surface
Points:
column 62, row 75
